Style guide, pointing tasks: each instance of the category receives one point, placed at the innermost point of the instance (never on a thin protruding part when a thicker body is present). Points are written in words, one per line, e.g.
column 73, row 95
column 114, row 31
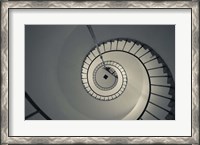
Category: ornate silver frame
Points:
column 193, row 5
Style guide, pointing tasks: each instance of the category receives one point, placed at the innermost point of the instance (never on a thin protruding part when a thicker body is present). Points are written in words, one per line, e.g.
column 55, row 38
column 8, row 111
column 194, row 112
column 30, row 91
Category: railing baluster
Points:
column 160, row 107
column 150, row 60
column 163, row 86
column 156, row 68
column 152, row 115
column 162, row 96
column 138, row 50
column 132, row 47
column 144, row 54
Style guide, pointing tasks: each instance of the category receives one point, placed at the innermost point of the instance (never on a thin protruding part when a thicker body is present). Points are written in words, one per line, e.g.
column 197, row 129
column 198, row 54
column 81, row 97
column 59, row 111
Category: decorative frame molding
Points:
column 6, row 5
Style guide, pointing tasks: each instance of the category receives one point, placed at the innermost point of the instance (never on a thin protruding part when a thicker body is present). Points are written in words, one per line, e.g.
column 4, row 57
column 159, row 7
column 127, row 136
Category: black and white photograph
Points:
column 100, row 72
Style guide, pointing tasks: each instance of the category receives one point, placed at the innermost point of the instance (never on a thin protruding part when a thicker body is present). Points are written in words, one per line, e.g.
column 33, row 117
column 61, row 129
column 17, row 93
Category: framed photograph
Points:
column 100, row 72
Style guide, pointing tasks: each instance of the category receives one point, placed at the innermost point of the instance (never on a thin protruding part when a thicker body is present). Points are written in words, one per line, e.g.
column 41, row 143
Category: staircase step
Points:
column 85, row 65
column 121, row 45
column 160, row 81
column 107, row 46
column 84, row 70
column 135, row 48
column 148, row 56
column 148, row 116
column 152, row 64
column 114, row 45
column 161, row 101
column 158, row 112
column 91, row 56
column 84, row 80
column 84, row 75
column 128, row 46
column 87, row 60
column 86, row 85
column 95, row 52
column 160, row 91
column 157, row 72
column 101, row 48
column 141, row 52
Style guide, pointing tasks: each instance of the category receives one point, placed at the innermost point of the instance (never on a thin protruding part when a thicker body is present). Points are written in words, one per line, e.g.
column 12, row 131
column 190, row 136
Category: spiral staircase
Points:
column 136, row 83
